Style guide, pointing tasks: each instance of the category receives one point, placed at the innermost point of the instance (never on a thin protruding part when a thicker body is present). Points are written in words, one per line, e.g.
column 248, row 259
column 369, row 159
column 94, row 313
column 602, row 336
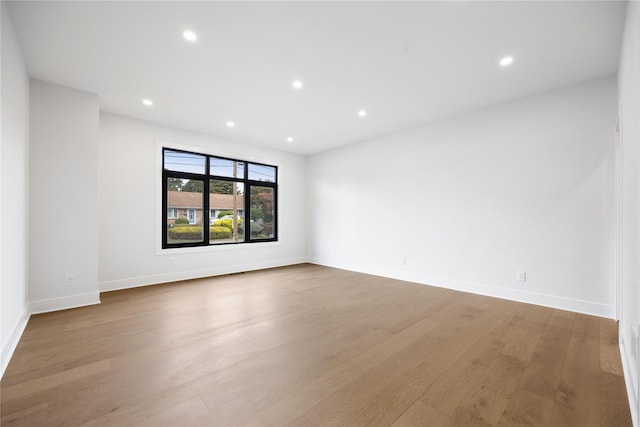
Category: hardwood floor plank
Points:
column 542, row 374
column 50, row 381
column 578, row 396
column 182, row 414
column 462, row 417
column 133, row 411
column 489, row 399
column 614, row 407
column 523, row 335
column 421, row 414
column 40, row 390
column 526, row 409
column 34, row 415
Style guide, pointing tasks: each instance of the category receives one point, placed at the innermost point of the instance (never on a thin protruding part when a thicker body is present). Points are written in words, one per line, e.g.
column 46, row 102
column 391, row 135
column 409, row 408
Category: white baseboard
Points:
column 630, row 380
column 552, row 301
column 63, row 303
column 134, row 282
column 12, row 343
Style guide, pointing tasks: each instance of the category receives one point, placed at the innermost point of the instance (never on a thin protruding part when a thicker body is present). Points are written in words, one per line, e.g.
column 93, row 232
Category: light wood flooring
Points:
column 309, row 345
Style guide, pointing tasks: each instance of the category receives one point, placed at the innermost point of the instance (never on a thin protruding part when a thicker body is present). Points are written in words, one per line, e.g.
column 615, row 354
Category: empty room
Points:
column 420, row 213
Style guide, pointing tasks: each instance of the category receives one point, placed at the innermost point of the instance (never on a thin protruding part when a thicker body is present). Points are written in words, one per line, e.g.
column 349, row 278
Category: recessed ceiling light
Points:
column 147, row 102
column 297, row 84
column 190, row 36
column 362, row 113
column 230, row 124
column 507, row 60
column 289, row 139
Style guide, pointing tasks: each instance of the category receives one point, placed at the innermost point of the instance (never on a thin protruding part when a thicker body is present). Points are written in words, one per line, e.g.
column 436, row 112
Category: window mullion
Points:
column 247, row 211
column 165, row 223
column 206, row 200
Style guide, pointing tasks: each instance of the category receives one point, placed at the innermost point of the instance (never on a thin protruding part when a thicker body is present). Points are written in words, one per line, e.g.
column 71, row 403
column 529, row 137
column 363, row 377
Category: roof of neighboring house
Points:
column 184, row 199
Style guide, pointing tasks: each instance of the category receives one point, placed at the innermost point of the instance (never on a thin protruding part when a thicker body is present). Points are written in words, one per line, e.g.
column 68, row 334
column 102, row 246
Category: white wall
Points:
column 64, row 209
column 464, row 203
column 130, row 247
column 629, row 104
column 14, row 181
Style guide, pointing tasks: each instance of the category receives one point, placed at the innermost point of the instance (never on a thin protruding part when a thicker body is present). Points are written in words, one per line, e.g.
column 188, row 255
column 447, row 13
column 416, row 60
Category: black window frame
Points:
column 206, row 177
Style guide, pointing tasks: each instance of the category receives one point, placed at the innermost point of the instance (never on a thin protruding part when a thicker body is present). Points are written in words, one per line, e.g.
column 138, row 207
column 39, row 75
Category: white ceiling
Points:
column 405, row 63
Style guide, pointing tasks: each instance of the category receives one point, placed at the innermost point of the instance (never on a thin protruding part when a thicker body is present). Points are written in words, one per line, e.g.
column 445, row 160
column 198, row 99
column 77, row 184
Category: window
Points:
column 235, row 199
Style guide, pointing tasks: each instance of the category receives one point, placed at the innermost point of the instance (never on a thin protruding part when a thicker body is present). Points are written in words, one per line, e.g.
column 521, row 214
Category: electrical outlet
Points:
column 172, row 260
column 521, row 276
column 70, row 279
column 404, row 261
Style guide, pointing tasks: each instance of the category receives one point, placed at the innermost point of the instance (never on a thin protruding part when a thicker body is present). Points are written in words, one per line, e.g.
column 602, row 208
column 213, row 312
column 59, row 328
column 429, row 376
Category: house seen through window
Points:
column 209, row 200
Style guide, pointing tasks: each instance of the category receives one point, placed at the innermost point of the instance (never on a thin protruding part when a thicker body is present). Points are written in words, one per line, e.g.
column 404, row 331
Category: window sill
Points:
column 217, row 248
